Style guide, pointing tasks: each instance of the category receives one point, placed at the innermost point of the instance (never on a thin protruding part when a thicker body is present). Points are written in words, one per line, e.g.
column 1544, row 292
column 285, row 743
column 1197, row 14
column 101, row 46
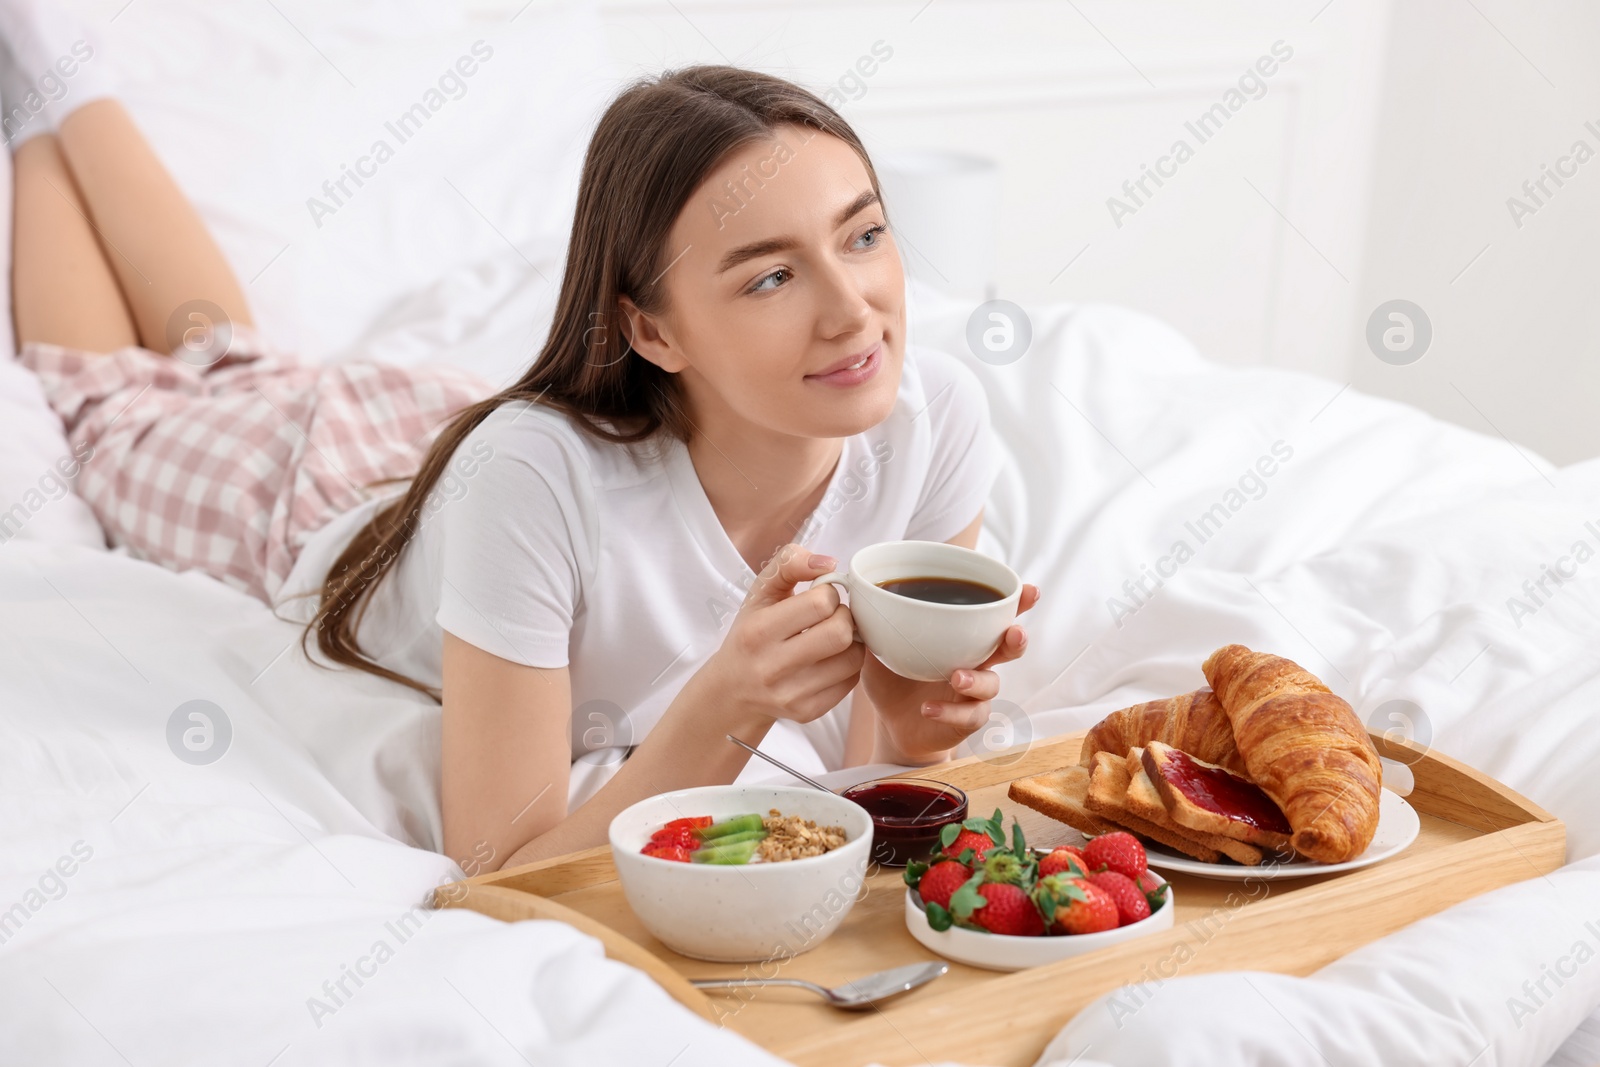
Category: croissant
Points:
column 1194, row 723
column 1304, row 747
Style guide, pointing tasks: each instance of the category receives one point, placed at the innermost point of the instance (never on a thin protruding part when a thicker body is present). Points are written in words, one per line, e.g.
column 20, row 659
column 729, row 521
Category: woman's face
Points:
column 781, row 270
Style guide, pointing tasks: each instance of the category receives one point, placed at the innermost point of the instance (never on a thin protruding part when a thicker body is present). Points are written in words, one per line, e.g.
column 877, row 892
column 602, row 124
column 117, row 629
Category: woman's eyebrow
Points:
column 782, row 244
column 856, row 206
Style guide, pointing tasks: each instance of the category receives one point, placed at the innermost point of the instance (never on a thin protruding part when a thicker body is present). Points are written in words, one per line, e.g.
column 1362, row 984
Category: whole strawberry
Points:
column 1003, row 866
column 1130, row 901
column 1117, row 851
column 1063, row 859
column 1007, row 910
column 1155, row 893
column 1077, row 905
column 979, row 843
column 940, row 881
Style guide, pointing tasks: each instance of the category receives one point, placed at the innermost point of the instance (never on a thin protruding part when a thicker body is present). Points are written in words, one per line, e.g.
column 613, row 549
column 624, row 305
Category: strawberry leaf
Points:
column 1018, row 845
column 1045, row 901
column 938, row 918
column 1157, row 897
column 914, row 872
column 967, row 899
column 949, row 833
column 996, row 828
column 968, row 854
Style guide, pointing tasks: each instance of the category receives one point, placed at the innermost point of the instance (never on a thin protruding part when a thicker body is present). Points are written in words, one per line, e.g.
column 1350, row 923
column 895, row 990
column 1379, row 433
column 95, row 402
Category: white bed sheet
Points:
column 208, row 905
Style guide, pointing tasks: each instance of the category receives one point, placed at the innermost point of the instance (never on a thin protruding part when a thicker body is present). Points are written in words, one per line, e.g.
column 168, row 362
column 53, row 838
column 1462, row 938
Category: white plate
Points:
column 1398, row 826
column 1002, row 952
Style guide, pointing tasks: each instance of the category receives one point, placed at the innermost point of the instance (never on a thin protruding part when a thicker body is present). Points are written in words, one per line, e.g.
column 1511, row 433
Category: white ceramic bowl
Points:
column 1001, row 952
column 754, row 911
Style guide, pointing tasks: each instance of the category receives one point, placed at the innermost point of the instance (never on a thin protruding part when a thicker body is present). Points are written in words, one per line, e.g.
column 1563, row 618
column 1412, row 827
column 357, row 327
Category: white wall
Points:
column 1370, row 169
column 1477, row 99
column 1073, row 100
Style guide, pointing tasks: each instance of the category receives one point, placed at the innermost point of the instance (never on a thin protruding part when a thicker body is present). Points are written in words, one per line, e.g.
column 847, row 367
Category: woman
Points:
column 625, row 528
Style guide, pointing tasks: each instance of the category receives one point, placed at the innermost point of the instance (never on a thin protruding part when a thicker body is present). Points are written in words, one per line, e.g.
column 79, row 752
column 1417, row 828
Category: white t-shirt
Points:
column 549, row 547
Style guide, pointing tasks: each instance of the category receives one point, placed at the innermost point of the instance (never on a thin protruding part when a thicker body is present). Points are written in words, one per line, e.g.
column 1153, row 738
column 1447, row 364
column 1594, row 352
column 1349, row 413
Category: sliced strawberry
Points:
column 676, row 853
column 679, row 836
column 693, row 822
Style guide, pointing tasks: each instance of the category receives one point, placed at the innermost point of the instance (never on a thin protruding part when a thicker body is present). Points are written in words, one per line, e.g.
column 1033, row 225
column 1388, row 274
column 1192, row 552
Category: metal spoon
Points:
column 858, row 995
column 787, row 770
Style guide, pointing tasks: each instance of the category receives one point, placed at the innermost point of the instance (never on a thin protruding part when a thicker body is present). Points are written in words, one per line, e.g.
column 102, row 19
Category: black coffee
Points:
column 943, row 590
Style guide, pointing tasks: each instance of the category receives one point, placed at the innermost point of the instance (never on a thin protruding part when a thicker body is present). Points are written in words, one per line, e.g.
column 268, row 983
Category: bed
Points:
column 247, row 886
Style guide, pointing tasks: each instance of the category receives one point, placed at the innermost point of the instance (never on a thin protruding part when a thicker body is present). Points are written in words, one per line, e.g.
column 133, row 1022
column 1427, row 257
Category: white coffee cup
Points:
column 919, row 639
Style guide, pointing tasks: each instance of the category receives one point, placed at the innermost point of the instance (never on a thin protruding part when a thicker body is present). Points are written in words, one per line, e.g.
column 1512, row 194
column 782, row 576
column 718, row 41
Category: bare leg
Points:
column 63, row 290
column 156, row 244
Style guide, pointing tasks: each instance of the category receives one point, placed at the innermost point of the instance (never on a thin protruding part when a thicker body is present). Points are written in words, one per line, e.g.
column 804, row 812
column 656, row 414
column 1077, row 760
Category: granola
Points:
column 790, row 837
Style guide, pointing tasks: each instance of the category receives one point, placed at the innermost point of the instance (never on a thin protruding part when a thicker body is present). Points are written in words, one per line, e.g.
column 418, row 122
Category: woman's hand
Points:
column 787, row 655
column 920, row 722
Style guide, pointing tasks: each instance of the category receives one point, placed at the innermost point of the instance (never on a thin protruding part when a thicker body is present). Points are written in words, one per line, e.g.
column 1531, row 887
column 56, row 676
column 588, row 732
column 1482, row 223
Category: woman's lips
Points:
column 853, row 375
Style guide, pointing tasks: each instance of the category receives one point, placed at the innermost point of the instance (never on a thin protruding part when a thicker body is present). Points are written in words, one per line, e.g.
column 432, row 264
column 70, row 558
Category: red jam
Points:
column 1225, row 793
column 907, row 815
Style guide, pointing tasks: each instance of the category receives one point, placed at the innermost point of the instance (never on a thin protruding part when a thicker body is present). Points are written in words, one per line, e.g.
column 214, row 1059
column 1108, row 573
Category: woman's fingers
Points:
column 788, row 567
column 1012, row 644
column 827, row 699
column 828, row 637
column 965, row 715
column 784, row 619
column 976, row 685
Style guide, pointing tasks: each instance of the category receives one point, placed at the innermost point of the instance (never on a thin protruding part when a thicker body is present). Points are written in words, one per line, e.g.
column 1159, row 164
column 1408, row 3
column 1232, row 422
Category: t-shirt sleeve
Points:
column 515, row 544
column 965, row 456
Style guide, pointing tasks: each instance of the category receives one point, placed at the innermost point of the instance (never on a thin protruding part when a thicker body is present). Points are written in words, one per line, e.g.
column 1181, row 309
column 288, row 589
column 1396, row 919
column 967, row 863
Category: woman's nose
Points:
column 844, row 306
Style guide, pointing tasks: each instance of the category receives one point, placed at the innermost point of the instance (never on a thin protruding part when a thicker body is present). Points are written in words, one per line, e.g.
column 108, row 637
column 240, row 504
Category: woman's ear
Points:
column 647, row 337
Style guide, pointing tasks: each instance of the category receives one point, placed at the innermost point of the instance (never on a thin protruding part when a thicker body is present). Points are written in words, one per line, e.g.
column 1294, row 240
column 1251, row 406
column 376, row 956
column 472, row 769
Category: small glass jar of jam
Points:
column 907, row 815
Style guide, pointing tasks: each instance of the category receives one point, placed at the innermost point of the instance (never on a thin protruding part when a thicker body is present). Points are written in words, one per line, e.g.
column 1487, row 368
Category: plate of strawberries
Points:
column 1003, row 906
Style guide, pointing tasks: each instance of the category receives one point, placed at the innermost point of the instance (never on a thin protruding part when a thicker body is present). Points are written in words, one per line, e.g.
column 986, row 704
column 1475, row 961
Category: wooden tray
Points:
column 1476, row 835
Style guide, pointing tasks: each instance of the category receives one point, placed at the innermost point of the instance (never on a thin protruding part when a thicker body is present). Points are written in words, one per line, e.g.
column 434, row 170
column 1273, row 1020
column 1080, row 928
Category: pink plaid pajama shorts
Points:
column 229, row 469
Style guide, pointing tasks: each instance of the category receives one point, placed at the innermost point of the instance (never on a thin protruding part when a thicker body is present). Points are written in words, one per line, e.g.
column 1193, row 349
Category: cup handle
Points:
column 842, row 579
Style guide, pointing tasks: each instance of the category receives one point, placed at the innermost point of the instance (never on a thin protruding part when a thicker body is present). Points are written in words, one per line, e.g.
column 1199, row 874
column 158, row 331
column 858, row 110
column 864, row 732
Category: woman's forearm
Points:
column 687, row 748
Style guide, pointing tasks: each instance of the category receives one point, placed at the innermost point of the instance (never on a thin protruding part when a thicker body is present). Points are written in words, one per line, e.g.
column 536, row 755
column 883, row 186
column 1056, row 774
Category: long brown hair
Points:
column 653, row 147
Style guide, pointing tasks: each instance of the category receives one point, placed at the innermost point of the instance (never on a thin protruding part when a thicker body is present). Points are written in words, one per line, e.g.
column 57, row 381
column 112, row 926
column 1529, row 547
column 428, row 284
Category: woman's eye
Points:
column 871, row 236
column 778, row 277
